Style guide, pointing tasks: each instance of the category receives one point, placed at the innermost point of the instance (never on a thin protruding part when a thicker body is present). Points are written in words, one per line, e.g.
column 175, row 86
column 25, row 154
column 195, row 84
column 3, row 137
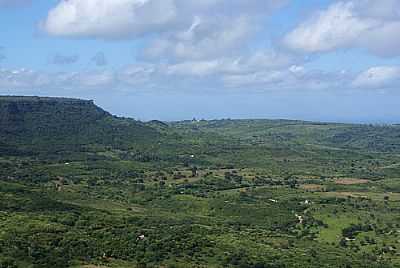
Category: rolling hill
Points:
column 32, row 124
column 82, row 188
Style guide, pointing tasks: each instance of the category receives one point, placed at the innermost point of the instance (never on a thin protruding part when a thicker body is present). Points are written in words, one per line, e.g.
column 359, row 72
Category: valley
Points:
column 80, row 187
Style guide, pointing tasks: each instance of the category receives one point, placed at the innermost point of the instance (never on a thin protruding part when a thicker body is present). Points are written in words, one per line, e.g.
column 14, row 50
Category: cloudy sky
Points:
column 320, row 60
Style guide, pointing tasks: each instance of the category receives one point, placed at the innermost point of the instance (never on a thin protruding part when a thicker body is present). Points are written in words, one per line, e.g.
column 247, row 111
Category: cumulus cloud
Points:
column 138, row 74
column 379, row 77
column 203, row 68
column 328, row 30
column 195, row 75
column 21, row 78
column 133, row 18
column 204, row 38
column 109, row 19
column 217, row 44
column 291, row 78
column 179, row 29
column 260, row 60
column 99, row 59
column 30, row 79
column 198, row 75
column 59, row 59
column 347, row 24
column 188, row 40
column 95, row 79
column 268, row 59
column 213, row 32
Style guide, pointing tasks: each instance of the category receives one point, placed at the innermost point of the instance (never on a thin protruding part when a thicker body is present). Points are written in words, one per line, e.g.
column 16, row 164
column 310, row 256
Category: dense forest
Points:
column 80, row 187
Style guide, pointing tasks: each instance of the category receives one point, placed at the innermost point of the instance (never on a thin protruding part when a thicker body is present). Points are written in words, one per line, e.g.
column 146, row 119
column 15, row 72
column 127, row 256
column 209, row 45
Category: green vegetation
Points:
column 82, row 188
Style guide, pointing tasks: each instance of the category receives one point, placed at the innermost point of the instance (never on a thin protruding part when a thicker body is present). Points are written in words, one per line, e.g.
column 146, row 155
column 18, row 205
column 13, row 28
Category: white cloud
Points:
column 95, row 79
column 260, row 79
column 297, row 69
column 137, row 75
column 189, row 74
column 259, row 60
column 178, row 29
column 198, row 75
column 203, row 38
column 106, row 19
column 292, row 78
column 30, row 79
column 206, row 67
column 270, row 59
column 328, row 30
column 380, row 77
column 199, row 68
column 192, row 45
column 21, row 78
column 215, row 44
column 347, row 24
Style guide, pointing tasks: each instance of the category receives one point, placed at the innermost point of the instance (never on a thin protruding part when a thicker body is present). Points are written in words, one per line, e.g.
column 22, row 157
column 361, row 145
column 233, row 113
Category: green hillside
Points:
column 35, row 124
column 82, row 188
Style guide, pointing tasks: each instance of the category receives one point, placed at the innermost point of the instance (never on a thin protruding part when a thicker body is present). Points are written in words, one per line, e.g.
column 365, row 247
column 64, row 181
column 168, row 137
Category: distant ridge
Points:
column 39, row 99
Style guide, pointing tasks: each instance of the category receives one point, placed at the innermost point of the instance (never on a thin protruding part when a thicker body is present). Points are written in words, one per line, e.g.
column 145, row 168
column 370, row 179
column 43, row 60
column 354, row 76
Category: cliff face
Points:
column 47, row 123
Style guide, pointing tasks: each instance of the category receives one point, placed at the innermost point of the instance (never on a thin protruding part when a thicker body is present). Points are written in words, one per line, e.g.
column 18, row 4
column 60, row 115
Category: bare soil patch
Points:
column 351, row 181
column 312, row 187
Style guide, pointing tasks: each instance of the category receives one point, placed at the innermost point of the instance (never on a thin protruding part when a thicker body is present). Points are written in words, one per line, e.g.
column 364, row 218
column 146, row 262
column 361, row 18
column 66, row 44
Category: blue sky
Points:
column 319, row 60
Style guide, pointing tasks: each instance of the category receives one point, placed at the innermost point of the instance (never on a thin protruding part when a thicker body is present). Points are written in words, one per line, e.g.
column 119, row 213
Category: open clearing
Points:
column 366, row 195
column 351, row 181
column 313, row 187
